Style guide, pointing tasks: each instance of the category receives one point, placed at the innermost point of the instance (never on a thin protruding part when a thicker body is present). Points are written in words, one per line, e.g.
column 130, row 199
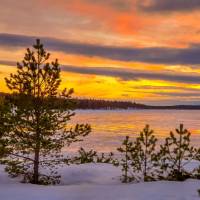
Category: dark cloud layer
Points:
column 124, row 74
column 6, row 62
column 165, row 87
column 176, row 94
column 170, row 5
column 119, row 5
column 127, row 74
column 190, row 55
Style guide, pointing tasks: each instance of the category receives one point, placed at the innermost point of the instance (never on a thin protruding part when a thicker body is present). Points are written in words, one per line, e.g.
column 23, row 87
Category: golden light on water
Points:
column 110, row 127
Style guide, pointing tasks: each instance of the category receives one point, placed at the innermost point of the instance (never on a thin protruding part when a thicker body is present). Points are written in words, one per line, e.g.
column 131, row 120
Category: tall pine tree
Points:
column 40, row 130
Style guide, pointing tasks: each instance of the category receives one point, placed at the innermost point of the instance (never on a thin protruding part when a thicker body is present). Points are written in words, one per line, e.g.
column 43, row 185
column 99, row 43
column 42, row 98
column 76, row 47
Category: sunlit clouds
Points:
column 146, row 51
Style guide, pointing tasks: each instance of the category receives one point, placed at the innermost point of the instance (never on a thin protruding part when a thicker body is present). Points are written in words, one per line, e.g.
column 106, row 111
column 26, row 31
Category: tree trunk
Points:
column 36, row 167
column 37, row 148
column 145, row 158
column 126, row 167
column 179, row 154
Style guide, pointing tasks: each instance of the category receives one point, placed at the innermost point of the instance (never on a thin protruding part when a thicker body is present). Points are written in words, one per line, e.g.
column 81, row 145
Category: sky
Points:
column 146, row 51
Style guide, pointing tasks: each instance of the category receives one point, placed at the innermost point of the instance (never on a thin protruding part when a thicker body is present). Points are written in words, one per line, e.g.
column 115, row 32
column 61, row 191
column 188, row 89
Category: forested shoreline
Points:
column 100, row 104
column 111, row 105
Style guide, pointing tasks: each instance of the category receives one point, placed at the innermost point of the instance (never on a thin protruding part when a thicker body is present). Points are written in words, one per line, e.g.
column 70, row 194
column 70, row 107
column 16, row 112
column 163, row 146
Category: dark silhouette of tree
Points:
column 39, row 130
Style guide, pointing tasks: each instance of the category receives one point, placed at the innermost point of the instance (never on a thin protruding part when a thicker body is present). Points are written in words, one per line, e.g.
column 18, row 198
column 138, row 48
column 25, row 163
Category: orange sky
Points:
column 142, row 50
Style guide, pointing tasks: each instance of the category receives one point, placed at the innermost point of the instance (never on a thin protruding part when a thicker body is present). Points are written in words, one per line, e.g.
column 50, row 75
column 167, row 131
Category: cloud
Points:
column 7, row 63
column 169, row 5
column 118, row 5
column 124, row 73
column 173, row 101
column 165, row 88
column 127, row 74
column 184, row 56
column 176, row 94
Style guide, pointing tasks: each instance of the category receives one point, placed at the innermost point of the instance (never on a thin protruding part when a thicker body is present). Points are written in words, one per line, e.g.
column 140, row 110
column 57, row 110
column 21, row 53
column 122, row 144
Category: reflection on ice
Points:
column 109, row 127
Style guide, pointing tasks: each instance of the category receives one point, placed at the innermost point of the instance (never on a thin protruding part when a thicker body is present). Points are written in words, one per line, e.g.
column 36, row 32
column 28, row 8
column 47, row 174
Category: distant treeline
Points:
column 106, row 104
column 97, row 104
column 110, row 105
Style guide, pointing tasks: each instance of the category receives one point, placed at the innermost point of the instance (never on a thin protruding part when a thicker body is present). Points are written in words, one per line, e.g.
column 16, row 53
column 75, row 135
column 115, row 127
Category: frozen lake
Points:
column 109, row 127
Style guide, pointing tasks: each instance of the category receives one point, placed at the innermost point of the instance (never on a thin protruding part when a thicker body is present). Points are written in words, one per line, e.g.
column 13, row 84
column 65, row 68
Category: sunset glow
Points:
column 145, row 51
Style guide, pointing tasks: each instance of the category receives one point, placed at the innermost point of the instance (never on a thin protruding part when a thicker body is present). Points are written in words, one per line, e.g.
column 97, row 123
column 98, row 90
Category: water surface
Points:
column 109, row 127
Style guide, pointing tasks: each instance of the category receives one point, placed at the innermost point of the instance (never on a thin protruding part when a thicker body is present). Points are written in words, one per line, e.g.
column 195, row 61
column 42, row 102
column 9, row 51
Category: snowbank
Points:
column 96, row 182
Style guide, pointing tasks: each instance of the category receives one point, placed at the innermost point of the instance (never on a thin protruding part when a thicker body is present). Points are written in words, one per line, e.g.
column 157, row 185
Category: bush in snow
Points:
column 92, row 156
column 107, row 158
column 84, row 156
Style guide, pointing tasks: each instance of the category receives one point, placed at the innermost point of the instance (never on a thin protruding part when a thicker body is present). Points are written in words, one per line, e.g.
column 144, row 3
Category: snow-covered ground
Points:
column 96, row 182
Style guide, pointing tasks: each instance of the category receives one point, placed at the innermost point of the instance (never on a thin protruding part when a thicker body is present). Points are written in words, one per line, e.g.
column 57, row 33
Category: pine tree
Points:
column 144, row 156
column 39, row 130
column 126, row 163
column 2, row 128
column 196, row 171
column 5, row 126
column 139, row 157
column 176, row 153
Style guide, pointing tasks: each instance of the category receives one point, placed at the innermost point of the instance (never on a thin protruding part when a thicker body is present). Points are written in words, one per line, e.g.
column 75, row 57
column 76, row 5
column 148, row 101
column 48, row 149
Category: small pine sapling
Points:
column 175, row 154
column 125, row 163
column 144, row 156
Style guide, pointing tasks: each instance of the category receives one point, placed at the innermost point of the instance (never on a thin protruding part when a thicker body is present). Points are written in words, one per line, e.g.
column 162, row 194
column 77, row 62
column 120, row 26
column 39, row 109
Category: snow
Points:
column 96, row 182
